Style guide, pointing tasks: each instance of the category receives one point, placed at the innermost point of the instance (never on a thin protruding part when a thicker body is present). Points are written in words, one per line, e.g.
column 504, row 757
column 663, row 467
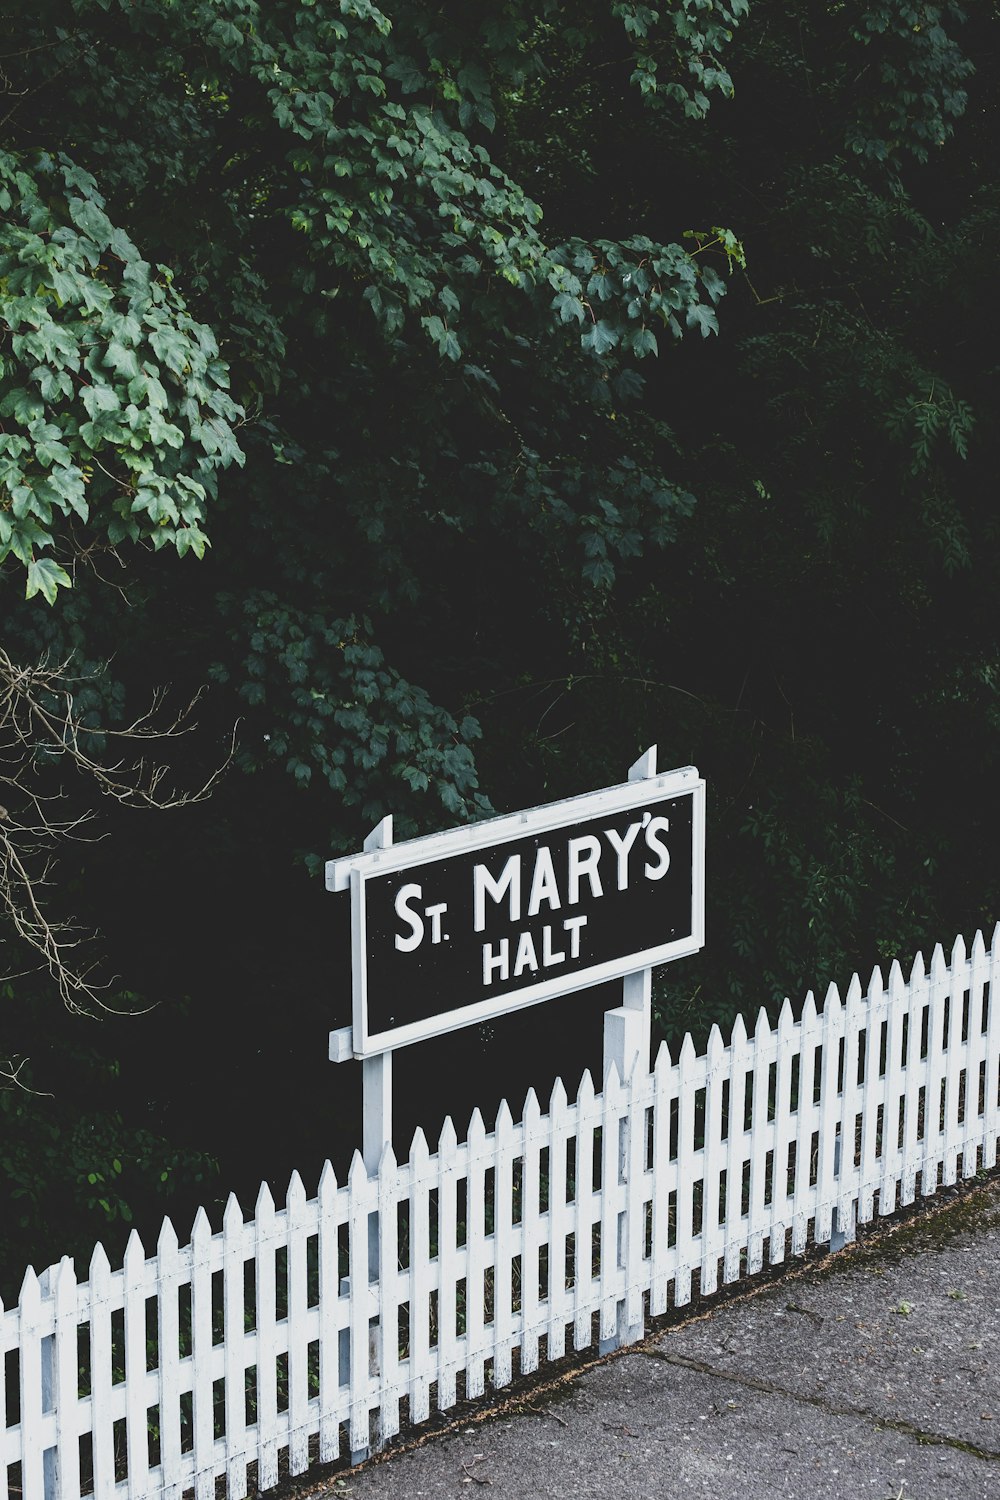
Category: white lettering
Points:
column 584, row 856
column 548, row 957
column 622, row 845
column 544, row 886
column 435, row 913
column 572, row 925
column 658, row 847
column 406, row 894
column 526, row 957
column 501, row 961
column 483, row 885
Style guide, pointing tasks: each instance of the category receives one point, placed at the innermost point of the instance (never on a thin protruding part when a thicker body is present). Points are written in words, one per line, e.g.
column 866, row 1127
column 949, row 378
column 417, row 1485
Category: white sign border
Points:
column 352, row 871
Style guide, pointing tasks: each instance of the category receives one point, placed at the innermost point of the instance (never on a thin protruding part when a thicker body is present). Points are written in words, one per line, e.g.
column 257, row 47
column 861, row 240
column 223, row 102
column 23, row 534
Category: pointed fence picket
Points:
column 684, row 1187
column 266, row 1323
column 894, row 1090
column 296, row 1294
column 102, row 1378
column 913, row 1032
column 610, row 1198
column 448, row 1349
column 713, row 1164
column 30, row 1362
column 871, row 1096
column 739, row 1064
column 235, row 1349
column 664, row 1187
column 632, row 1218
column 784, row 1135
column 420, row 1278
column 136, row 1439
column 328, row 1256
column 277, row 1341
column 559, row 1220
column 531, row 1229
column 360, row 1408
column 992, row 1071
column 933, row 1139
column 976, row 1058
column 588, row 1117
column 760, row 1140
column 7, row 1343
column 476, row 1248
column 848, row 1138
column 388, row 1334
column 505, row 1153
column 202, row 1363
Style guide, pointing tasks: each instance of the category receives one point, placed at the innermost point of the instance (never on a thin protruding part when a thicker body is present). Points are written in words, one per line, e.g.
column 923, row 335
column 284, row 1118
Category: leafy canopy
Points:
column 113, row 399
column 523, row 489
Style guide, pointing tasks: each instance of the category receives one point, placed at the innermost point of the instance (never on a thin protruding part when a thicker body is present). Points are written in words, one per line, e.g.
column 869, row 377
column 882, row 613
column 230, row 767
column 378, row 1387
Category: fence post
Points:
column 627, row 1034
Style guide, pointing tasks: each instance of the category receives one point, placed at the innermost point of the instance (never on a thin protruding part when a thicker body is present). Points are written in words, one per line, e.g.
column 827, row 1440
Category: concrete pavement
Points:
column 874, row 1373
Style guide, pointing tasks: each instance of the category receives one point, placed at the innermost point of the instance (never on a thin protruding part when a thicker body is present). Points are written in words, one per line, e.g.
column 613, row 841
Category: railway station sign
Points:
column 457, row 927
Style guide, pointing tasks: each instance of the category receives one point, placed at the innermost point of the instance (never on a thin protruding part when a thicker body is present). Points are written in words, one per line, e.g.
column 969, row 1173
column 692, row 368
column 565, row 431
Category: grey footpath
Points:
column 871, row 1374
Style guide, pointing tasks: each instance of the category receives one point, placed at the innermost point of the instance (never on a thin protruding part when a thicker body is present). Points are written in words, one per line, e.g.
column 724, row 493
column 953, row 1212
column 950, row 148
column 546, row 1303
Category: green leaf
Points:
column 97, row 398
column 68, row 484
column 643, row 342
column 92, row 220
column 46, row 577
column 569, row 308
column 703, row 317
column 122, row 360
column 600, row 338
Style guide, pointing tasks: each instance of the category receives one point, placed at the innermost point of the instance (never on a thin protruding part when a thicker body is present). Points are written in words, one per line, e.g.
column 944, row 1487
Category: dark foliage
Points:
column 510, row 464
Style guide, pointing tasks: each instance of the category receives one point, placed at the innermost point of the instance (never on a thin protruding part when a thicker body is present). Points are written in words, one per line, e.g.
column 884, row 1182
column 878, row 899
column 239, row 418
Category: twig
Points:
column 544, row 1412
column 806, row 1312
column 41, row 727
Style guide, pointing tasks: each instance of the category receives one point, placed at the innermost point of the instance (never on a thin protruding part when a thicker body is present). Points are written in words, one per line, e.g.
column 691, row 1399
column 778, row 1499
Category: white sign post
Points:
column 627, row 1038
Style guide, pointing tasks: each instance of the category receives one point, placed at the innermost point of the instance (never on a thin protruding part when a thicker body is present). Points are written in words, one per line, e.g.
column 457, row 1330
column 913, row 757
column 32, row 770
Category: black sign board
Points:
column 460, row 926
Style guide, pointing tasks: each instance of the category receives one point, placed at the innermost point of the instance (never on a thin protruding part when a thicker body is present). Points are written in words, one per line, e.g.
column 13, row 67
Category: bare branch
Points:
column 42, row 731
column 10, row 1076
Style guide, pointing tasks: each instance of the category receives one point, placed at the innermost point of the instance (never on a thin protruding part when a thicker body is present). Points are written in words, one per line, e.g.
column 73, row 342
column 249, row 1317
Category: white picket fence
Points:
column 274, row 1343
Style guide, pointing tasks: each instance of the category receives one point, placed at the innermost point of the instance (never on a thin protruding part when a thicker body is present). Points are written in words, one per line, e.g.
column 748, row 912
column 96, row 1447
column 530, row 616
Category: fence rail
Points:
column 281, row 1340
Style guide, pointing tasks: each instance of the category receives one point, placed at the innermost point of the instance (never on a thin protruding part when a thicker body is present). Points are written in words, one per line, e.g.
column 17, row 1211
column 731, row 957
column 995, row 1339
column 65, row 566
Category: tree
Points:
column 830, row 607
column 509, row 507
column 409, row 351
column 347, row 220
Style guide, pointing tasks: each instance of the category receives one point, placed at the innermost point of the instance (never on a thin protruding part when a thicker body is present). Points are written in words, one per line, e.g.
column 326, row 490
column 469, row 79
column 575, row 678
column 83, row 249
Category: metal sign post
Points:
column 376, row 1134
column 376, row 1076
column 628, row 1028
column 627, row 1040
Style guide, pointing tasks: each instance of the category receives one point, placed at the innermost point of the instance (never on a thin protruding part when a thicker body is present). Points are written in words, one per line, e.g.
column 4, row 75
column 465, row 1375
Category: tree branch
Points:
column 41, row 727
